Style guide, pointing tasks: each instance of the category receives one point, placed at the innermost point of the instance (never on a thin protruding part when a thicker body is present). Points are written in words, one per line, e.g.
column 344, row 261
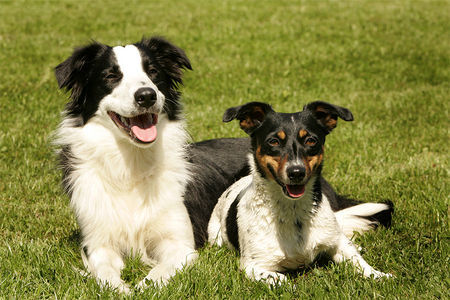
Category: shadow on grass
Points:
column 73, row 241
column 321, row 262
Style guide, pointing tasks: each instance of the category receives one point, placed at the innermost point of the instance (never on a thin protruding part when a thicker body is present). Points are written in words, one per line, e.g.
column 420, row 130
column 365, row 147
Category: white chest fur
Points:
column 121, row 193
column 293, row 232
column 278, row 234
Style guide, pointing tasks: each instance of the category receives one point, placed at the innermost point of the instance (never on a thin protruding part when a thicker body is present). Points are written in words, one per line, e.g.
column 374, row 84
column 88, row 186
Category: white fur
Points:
column 121, row 100
column 269, row 239
column 350, row 218
column 128, row 199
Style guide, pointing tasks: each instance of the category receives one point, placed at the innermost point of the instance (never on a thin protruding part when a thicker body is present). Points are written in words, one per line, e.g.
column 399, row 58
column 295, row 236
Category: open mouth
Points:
column 294, row 190
column 141, row 128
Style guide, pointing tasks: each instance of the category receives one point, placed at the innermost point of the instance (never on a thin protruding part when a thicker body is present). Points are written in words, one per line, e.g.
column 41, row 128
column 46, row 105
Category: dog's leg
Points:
column 105, row 264
column 214, row 227
column 259, row 270
column 172, row 256
column 256, row 272
column 346, row 251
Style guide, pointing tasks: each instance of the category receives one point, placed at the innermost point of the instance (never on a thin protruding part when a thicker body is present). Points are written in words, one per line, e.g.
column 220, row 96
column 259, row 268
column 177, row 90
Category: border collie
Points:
column 281, row 217
column 123, row 151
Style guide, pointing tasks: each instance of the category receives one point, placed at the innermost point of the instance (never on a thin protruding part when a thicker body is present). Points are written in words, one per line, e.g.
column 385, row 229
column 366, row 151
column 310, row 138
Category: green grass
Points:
column 388, row 61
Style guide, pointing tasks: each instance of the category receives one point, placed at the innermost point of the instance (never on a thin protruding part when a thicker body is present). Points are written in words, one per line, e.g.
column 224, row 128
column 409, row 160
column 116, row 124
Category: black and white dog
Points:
column 282, row 215
column 137, row 186
column 127, row 166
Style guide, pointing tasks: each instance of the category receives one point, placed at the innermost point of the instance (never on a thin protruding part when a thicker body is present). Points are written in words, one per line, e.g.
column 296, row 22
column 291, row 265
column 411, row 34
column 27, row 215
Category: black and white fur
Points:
column 123, row 151
column 284, row 213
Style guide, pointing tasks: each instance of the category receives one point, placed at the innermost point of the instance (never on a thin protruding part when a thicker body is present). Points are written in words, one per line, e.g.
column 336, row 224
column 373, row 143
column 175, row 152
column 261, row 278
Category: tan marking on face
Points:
column 264, row 161
column 282, row 164
column 312, row 162
column 281, row 134
column 302, row 133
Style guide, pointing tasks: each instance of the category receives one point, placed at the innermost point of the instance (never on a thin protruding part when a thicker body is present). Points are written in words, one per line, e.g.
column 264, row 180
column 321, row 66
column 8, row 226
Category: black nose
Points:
column 145, row 97
column 296, row 173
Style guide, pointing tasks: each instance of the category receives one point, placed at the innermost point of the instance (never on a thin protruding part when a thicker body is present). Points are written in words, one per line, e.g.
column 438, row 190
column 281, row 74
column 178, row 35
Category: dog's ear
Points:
column 73, row 73
column 250, row 115
column 327, row 114
column 171, row 58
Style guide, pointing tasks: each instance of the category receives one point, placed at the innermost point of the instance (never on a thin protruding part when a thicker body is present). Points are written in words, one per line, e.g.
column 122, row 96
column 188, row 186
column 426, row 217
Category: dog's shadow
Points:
column 322, row 261
column 72, row 241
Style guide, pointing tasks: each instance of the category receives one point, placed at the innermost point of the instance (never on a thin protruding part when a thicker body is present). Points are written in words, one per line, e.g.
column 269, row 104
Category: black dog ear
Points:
column 327, row 114
column 72, row 73
column 250, row 115
column 172, row 58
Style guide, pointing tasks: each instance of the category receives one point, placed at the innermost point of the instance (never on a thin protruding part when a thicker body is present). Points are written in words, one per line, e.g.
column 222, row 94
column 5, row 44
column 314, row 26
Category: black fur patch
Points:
column 216, row 165
column 83, row 74
column 317, row 189
column 231, row 224
column 231, row 220
column 384, row 218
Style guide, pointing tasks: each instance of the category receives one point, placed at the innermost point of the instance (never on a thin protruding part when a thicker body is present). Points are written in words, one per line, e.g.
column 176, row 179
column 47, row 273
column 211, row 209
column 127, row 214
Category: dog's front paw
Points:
column 157, row 277
column 143, row 284
column 146, row 282
column 269, row 277
column 273, row 278
column 118, row 286
column 378, row 274
column 123, row 289
column 115, row 283
column 372, row 273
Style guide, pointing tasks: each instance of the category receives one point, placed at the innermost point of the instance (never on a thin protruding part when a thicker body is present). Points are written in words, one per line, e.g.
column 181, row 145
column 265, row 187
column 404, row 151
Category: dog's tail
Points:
column 364, row 217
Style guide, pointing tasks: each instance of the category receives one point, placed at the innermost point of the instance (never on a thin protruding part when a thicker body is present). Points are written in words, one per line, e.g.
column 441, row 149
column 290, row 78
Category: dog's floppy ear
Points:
column 327, row 114
column 250, row 115
column 72, row 72
column 171, row 58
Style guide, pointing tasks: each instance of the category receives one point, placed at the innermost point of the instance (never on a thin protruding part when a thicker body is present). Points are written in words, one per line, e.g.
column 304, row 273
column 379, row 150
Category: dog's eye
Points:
column 113, row 76
column 310, row 141
column 152, row 71
column 273, row 142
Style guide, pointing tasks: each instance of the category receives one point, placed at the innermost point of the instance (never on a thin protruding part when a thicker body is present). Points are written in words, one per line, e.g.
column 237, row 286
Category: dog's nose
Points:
column 145, row 97
column 296, row 173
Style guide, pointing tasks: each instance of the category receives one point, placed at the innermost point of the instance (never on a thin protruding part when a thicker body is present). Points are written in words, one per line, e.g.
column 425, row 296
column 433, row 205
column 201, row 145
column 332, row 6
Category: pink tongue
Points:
column 143, row 128
column 295, row 191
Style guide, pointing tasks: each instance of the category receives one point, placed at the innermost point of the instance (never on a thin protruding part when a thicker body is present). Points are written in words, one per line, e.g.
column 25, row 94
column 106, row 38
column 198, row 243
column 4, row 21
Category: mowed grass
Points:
column 387, row 61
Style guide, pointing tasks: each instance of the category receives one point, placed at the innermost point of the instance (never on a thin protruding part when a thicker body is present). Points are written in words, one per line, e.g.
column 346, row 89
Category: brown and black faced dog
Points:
column 284, row 214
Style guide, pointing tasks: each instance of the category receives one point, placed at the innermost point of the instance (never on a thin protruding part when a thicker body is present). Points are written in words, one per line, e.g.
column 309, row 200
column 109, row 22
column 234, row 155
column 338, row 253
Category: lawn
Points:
column 387, row 61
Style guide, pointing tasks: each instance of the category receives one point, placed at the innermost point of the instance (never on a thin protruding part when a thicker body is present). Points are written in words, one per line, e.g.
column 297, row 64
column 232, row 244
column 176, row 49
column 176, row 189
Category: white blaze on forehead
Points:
column 130, row 61
column 134, row 77
column 122, row 99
